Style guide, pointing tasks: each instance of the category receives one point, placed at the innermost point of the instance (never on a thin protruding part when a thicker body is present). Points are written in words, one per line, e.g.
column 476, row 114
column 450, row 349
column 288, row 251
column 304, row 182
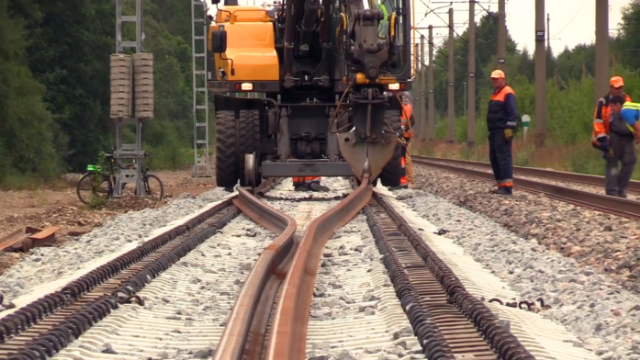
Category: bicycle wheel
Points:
column 87, row 188
column 153, row 187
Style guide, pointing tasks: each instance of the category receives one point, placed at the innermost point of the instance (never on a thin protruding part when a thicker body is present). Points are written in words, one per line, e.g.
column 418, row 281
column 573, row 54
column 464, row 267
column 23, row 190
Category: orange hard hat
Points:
column 616, row 81
column 497, row 74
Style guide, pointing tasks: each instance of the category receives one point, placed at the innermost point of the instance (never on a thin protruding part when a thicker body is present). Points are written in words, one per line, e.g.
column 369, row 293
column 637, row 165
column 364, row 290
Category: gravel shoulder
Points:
column 572, row 185
column 522, row 240
column 606, row 242
column 185, row 307
column 47, row 264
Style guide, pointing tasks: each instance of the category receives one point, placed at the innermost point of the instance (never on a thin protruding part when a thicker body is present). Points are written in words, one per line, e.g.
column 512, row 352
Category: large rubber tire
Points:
column 249, row 136
column 227, row 173
column 391, row 173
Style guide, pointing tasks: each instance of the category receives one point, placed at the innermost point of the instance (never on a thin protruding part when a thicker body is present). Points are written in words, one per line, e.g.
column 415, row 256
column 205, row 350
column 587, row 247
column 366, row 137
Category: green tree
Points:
column 27, row 130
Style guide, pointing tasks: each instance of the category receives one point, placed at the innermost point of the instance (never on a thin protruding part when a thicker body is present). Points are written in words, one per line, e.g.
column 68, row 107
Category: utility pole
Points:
column 502, row 34
column 540, row 77
column 432, row 102
column 417, row 110
column 548, row 33
column 602, row 48
column 471, row 98
column 423, row 103
column 452, row 113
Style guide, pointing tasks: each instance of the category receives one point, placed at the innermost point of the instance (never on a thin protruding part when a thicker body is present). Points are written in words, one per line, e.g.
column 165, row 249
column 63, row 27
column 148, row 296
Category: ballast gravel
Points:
column 355, row 313
column 603, row 315
column 607, row 242
column 185, row 308
column 45, row 264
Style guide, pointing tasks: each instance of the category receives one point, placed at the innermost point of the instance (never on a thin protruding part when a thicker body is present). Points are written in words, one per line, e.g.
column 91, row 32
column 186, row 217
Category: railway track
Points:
column 613, row 205
column 173, row 296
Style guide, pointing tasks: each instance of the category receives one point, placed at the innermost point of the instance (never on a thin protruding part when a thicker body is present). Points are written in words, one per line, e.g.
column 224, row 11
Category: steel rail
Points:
column 250, row 314
column 445, row 317
column 587, row 179
column 603, row 203
column 288, row 336
column 47, row 325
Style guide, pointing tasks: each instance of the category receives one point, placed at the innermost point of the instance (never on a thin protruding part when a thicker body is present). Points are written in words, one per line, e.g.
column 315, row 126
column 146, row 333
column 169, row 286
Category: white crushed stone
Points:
column 604, row 316
column 45, row 264
column 186, row 307
column 355, row 313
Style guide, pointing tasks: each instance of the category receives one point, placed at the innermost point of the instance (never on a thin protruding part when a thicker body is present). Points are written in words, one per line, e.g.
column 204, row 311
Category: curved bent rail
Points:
column 248, row 318
column 288, row 336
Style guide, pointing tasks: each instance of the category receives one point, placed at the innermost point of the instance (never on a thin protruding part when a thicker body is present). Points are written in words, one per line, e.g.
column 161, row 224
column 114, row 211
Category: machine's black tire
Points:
column 391, row 173
column 249, row 141
column 226, row 150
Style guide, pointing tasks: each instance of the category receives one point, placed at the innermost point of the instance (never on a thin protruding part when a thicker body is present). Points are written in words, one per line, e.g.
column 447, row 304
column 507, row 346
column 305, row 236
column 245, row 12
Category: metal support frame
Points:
column 294, row 167
column 129, row 152
column 201, row 167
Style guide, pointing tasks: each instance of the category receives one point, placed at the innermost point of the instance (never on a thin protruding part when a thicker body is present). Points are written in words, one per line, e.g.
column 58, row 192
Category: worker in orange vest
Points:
column 602, row 116
column 501, row 121
column 407, row 123
column 307, row 183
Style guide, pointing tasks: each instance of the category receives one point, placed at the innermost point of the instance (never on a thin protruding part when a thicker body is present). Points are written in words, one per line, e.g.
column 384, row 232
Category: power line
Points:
column 570, row 21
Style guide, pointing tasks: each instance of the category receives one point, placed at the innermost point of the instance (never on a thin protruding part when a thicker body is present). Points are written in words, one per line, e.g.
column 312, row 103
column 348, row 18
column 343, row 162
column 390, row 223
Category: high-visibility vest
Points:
column 602, row 116
column 407, row 111
column 631, row 106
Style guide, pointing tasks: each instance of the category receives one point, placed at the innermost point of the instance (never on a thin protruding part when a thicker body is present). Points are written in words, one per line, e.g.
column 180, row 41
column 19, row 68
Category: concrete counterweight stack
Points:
column 120, row 86
column 143, row 85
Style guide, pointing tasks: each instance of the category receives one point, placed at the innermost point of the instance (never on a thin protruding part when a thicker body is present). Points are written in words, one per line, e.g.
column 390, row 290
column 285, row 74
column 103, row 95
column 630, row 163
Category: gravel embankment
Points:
column 46, row 264
column 185, row 308
column 606, row 242
column 573, row 185
column 593, row 305
column 355, row 313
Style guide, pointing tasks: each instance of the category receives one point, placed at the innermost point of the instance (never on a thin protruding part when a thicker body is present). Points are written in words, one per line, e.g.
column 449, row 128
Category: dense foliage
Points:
column 54, row 88
column 570, row 90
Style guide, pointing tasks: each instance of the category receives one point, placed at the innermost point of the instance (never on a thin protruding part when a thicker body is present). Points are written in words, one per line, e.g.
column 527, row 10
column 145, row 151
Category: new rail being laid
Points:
column 603, row 203
column 43, row 327
column 270, row 317
column 443, row 314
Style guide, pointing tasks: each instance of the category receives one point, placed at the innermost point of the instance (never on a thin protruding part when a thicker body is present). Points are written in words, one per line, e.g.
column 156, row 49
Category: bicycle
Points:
column 101, row 183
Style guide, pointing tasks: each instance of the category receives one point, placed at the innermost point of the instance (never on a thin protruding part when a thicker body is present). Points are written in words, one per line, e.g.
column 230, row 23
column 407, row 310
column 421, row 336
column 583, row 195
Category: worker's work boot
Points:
column 301, row 188
column 623, row 194
column 317, row 187
column 507, row 191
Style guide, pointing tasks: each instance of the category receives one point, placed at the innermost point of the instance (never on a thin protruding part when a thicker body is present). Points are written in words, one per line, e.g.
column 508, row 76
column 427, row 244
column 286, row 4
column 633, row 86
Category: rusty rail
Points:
column 250, row 314
column 448, row 320
column 603, row 203
column 586, row 179
column 289, row 331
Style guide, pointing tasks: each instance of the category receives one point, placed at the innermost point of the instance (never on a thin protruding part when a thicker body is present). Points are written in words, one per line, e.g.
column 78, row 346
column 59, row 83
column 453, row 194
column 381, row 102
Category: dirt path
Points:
column 44, row 208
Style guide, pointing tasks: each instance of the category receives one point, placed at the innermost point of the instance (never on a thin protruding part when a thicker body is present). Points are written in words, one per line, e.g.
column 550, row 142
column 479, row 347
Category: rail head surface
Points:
column 289, row 332
column 234, row 337
column 595, row 180
column 609, row 204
